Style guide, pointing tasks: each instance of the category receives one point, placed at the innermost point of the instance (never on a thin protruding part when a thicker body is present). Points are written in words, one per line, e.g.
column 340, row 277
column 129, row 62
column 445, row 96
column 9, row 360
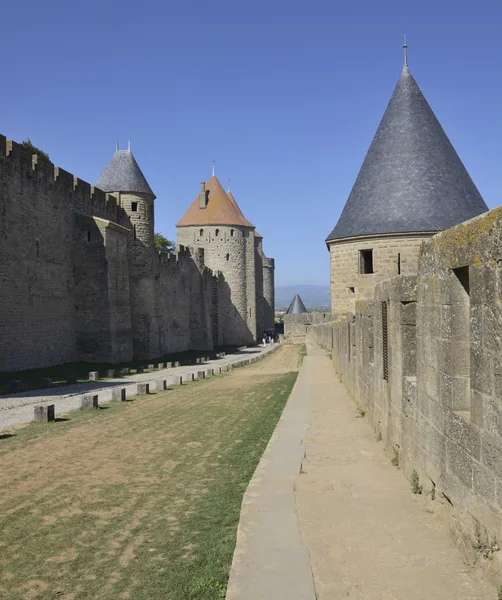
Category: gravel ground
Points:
column 16, row 409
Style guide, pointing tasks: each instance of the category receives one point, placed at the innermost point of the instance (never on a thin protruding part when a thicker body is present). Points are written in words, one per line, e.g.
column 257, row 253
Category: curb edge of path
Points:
column 269, row 561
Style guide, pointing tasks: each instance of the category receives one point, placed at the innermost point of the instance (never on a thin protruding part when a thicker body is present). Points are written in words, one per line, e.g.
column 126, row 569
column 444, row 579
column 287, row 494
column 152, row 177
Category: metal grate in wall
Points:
column 385, row 342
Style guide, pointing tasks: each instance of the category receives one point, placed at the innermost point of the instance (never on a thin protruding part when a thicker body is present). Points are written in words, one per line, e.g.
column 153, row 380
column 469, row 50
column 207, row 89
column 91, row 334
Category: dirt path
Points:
column 367, row 535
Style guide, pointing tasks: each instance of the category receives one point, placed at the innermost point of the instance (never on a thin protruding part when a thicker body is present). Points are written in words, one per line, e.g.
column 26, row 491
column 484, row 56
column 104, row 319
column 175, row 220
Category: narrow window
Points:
column 231, row 233
column 134, row 206
column 88, row 236
column 228, row 256
column 201, row 233
column 460, row 346
column 399, row 263
column 38, row 248
column 365, row 262
column 217, row 233
column 134, row 231
column 385, row 342
column 352, row 290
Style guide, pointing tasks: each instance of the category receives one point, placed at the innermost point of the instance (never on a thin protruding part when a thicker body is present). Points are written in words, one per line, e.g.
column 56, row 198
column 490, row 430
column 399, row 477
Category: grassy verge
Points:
column 58, row 373
column 140, row 500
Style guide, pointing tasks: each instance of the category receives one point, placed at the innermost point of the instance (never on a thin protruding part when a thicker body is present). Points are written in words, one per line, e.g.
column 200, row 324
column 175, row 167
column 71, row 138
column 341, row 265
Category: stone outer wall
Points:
column 392, row 255
column 230, row 251
column 80, row 279
column 436, row 400
column 268, row 293
column 300, row 325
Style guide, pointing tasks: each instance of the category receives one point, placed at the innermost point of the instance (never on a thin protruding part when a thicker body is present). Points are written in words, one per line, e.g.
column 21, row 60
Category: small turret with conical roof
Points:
column 411, row 185
column 296, row 307
column 123, row 178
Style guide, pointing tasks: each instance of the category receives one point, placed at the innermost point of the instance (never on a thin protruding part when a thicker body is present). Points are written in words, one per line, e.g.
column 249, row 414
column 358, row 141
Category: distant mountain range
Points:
column 313, row 296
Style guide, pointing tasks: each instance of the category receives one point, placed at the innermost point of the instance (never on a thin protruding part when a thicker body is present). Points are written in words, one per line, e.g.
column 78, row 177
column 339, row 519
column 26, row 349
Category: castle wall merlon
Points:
column 3, row 146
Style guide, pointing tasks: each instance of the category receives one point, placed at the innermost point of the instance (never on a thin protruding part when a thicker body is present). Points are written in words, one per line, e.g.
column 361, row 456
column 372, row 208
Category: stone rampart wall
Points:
column 79, row 283
column 300, row 325
column 423, row 359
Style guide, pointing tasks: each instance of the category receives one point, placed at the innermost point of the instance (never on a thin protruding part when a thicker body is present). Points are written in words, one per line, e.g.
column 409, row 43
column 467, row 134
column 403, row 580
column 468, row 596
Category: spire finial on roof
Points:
column 129, row 146
column 228, row 191
column 405, row 48
column 117, row 146
column 213, row 167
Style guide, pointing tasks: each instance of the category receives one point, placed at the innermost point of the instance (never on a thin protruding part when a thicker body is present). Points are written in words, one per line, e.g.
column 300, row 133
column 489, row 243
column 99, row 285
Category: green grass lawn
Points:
column 140, row 500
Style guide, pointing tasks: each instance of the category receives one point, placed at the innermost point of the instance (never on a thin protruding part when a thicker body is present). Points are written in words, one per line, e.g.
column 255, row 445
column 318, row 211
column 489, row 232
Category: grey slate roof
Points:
column 122, row 174
column 411, row 179
column 296, row 307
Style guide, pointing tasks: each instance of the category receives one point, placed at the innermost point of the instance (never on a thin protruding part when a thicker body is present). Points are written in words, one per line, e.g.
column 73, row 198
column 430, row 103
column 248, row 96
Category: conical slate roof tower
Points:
column 296, row 307
column 411, row 179
column 411, row 185
column 122, row 174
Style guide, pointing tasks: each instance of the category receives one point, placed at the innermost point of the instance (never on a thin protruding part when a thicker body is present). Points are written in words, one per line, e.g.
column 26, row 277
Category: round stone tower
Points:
column 123, row 178
column 215, row 223
column 411, row 185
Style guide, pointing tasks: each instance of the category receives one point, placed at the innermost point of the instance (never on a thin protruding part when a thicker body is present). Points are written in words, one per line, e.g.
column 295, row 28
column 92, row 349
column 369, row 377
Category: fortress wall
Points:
column 259, row 299
column 38, row 295
column 101, row 275
column 226, row 251
column 173, row 301
column 423, row 359
column 268, row 292
column 37, row 312
column 392, row 255
column 322, row 334
column 296, row 326
column 250, row 280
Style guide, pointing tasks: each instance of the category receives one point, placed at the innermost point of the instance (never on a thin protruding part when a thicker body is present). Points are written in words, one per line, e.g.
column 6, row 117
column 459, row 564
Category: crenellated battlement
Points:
column 269, row 262
column 52, row 181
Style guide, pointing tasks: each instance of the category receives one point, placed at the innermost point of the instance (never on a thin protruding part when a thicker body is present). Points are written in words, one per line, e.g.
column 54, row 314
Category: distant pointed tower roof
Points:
column 220, row 209
column 296, row 307
column 411, row 180
column 122, row 174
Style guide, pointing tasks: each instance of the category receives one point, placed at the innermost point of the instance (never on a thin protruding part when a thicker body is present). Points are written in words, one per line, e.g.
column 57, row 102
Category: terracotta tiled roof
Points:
column 257, row 235
column 221, row 209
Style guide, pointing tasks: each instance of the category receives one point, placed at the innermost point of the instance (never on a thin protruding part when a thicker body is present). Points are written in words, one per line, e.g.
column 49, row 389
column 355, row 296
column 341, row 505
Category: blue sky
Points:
column 284, row 95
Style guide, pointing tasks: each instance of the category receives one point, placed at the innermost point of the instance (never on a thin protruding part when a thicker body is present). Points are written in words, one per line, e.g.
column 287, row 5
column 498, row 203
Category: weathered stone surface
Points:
column 93, row 376
column 126, row 371
column 119, row 394
column 160, row 384
column 161, row 366
column 90, row 401
column 45, row 413
column 143, row 388
column 201, row 374
column 111, row 373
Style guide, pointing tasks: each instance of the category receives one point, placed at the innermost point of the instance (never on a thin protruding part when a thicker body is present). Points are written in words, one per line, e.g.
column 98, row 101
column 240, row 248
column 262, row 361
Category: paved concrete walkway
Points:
column 349, row 510
column 18, row 408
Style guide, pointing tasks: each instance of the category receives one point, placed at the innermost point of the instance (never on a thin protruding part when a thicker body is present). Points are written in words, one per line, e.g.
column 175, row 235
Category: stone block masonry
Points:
column 82, row 281
column 422, row 358
column 44, row 413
